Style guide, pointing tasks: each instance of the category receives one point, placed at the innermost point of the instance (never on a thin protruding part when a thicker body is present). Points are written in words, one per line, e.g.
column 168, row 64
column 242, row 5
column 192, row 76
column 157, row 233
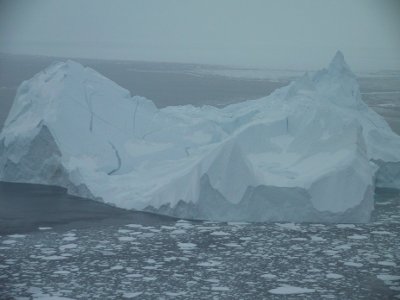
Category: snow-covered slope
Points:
column 308, row 152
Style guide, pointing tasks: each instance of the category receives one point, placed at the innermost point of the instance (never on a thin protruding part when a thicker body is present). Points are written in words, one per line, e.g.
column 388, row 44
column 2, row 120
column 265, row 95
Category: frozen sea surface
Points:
column 204, row 260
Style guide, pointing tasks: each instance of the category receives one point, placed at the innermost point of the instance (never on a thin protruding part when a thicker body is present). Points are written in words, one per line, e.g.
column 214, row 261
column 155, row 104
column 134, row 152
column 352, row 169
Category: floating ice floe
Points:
column 311, row 151
column 45, row 228
column 187, row 246
column 288, row 290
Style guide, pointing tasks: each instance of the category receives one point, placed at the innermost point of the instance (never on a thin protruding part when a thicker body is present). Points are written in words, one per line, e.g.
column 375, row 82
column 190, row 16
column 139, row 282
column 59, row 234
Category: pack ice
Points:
column 311, row 151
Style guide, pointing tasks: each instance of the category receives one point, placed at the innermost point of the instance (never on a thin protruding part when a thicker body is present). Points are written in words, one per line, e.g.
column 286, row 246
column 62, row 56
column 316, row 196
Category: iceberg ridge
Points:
column 311, row 151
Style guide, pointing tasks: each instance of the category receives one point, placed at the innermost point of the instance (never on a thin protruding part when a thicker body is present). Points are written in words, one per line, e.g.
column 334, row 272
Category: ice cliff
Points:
column 311, row 151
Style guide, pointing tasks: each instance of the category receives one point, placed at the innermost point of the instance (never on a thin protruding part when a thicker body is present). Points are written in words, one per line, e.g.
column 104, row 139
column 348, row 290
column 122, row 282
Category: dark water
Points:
column 25, row 207
column 168, row 259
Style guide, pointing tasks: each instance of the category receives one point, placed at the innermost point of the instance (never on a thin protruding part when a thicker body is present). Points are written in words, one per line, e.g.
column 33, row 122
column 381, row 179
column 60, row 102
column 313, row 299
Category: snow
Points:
column 288, row 290
column 312, row 151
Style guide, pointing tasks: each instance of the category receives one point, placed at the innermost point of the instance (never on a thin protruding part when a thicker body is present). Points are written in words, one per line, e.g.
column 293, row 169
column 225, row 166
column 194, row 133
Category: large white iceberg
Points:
column 311, row 151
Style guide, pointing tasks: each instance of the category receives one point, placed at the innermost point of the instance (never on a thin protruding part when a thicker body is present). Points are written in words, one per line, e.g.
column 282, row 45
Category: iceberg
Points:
column 311, row 151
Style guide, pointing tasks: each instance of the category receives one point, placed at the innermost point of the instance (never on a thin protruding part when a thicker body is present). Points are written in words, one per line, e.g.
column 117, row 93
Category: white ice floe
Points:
column 345, row 226
column 17, row 236
column 381, row 232
column 343, row 247
column 134, row 275
column 386, row 277
column 210, row 263
column 130, row 295
column 357, row 237
column 353, row 264
column 178, row 231
column 220, row 288
column 268, row 276
column 287, row 290
column 69, row 238
column 45, row 228
column 311, row 151
column 9, row 242
column 316, row 238
column 62, row 272
column 126, row 239
column 175, row 294
column 50, row 297
column 387, row 263
column 134, row 226
column 68, row 246
column 219, row 233
column 52, row 257
column 290, row 226
column 233, row 245
column 187, row 246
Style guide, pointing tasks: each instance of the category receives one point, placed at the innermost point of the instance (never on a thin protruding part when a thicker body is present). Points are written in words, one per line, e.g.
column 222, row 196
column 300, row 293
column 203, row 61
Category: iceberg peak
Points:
column 338, row 84
column 308, row 152
column 338, row 63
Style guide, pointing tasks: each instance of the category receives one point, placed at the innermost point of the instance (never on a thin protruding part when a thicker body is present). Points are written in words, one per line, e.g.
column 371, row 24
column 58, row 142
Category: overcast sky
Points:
column 297, row 34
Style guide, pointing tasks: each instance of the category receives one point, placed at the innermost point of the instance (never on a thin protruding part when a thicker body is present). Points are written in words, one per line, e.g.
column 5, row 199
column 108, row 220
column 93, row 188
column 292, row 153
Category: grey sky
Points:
column 299, row 34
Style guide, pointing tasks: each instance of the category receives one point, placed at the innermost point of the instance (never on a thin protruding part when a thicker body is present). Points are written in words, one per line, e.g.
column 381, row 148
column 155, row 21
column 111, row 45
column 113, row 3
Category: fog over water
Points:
column 274, row 34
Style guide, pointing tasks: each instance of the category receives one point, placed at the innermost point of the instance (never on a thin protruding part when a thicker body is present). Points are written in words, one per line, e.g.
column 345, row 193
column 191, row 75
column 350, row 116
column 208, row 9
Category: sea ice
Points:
column 288, row 290
column 186, row 246
column 386, row 277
